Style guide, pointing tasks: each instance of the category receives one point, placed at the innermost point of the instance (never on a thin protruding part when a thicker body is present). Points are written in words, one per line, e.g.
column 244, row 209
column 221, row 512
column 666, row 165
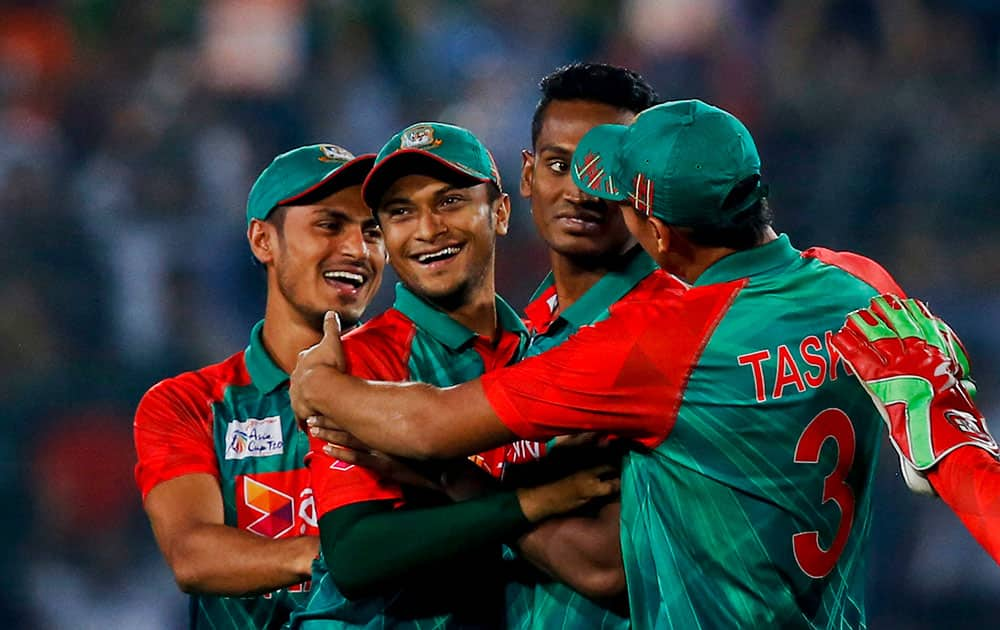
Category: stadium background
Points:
column 130, row 133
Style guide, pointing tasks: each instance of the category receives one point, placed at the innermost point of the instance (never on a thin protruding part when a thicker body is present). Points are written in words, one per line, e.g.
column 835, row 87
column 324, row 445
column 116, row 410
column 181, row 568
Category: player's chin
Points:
column 577, row 245
column 350, row 308
column 445, row 289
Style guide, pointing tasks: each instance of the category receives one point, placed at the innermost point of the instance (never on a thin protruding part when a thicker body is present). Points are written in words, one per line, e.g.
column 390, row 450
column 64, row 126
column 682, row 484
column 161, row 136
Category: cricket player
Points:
column 595, row 261
column 916, row 371
column 392, row 556
column 747, row 499
column 220, row 460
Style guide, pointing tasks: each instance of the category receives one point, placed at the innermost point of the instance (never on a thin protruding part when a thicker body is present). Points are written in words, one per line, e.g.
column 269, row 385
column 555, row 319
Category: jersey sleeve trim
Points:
column 862, row 268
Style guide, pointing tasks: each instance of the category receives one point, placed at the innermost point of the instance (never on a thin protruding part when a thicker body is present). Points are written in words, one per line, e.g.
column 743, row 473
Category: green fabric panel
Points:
column 709, row 516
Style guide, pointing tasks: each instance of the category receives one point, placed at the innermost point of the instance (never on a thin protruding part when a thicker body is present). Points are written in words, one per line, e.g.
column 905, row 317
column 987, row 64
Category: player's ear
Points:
column 662, row 233
column 501, row 214
column 261, row 237
column 527, row 172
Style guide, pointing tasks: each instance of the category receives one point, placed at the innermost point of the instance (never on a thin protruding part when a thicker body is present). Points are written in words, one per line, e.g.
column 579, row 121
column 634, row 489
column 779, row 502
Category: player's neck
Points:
column 693, row 260
column 286, row 333
column 476, row 310
column 574, row 276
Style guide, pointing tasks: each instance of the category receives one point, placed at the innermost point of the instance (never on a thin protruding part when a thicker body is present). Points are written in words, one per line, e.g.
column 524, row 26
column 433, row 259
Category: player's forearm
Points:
column 224, row 560
column 584, row 552
column 412, row 420
column 968, row 480
column 371, row 548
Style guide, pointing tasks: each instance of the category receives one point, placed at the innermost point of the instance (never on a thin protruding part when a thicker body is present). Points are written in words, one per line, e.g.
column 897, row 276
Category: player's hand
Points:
column 569, row 493
column 314, row 366
column 911, row 363
column 350, row 450
column 323, row 428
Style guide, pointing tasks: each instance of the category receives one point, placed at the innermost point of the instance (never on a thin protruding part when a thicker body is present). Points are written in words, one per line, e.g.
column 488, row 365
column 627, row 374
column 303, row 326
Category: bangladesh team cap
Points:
column 297, row 173
column 677, row 161
column 430, row 148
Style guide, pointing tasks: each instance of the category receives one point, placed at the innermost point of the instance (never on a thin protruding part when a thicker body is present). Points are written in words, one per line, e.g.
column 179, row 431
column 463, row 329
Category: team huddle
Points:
column 682, row 432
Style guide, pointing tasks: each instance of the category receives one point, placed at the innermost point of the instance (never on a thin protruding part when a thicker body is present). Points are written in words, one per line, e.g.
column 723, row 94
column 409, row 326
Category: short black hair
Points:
column 493, row 192
column 277, row 217
column 598, row 82
column 750, row 225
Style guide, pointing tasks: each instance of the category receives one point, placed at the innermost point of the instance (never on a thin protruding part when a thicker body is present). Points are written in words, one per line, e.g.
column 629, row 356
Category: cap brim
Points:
column 347, row 174
column 594, row 162
column 413, row 162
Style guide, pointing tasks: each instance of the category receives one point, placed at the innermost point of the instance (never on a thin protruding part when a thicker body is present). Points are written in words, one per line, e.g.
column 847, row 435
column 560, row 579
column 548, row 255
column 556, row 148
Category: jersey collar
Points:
column 442, row 327
column 264, row 372
column 609, row 289
column 750, row 262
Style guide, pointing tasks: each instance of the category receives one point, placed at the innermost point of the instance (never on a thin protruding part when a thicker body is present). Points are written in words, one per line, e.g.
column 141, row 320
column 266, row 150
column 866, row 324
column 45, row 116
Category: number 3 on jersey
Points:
column 830, row 424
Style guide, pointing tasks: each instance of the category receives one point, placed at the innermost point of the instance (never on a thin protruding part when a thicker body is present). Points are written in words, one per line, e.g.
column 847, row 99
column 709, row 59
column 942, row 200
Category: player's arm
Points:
column 584, row 552
column 572, row 388
column 207, row 556
column 371, row 547
column 427, row 422
column 968, row 480
column 177, row 474
column 912, row 365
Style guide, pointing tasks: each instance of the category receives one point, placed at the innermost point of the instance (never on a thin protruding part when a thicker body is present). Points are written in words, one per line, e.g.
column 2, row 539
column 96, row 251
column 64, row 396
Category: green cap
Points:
column 677, row 161
column 293, row 175
column 430, row 148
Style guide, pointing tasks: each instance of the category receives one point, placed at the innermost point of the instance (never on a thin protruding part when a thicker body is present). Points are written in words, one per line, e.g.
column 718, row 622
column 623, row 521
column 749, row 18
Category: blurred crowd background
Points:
column 130, row 133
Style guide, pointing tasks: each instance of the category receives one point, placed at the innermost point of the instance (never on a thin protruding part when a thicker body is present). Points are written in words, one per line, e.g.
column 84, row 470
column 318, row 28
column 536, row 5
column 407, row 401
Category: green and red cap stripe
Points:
column 678, row 161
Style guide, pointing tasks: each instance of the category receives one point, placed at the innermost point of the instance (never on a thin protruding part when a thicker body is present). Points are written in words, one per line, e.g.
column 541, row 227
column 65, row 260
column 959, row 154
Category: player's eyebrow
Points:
column 335, row 213
column 557, row 149
column 443, row 189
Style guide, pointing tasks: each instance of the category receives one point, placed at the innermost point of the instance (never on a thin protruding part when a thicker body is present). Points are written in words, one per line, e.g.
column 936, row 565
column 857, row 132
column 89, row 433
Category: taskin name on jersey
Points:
column 254, row 438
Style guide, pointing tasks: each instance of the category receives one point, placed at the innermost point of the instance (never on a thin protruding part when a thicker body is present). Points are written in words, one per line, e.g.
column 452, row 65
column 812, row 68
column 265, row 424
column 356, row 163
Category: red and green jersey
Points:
column 747, row 501
column 550, row 603
column 234, row 421
column 414, row 341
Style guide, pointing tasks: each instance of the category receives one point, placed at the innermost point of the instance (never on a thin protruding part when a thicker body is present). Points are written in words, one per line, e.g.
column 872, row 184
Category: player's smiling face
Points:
column 571, row 222
column 329, row 256
column 441, row 237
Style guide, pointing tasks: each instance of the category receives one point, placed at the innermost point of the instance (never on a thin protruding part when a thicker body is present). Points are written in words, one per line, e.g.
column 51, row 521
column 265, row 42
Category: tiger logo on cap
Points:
column 333, row 153
column 419, row 137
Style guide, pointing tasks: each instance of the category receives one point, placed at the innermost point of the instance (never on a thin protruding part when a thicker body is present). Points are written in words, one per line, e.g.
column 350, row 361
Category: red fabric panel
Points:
column 173, row 424
column 625, row 375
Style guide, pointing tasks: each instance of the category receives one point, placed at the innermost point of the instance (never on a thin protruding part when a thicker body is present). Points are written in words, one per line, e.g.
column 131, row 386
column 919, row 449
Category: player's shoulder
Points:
column 662, row 294
column 658, row 286
column 856, row 265
column 383, row 341
column 386, row 328
column 200, row 386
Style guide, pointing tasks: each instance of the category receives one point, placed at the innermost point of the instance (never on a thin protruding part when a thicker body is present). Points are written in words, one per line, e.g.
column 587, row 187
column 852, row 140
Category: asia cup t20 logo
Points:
column 255, row 437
